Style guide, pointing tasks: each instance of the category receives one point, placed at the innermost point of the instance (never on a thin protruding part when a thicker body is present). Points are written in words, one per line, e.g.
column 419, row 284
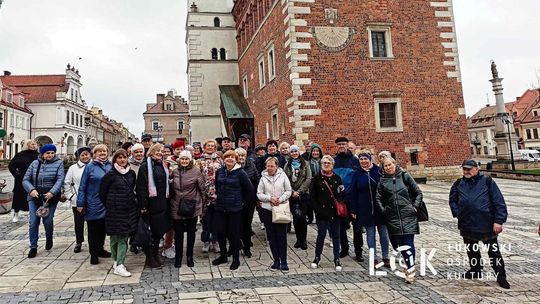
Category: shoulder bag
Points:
column 341, row 207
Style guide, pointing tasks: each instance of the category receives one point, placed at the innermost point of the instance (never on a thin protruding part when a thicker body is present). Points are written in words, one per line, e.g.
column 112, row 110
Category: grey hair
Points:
column 272, row 158
column 389, row 158
column 385, row 154
column 330, row 158
column 240, row 151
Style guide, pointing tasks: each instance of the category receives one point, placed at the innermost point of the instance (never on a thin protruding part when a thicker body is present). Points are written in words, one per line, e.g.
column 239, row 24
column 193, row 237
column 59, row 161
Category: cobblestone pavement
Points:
column 60, row 276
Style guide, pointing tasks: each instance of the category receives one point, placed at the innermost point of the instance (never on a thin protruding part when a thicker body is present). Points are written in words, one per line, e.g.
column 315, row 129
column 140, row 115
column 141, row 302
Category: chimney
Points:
column 160, row 97
column 7, row 73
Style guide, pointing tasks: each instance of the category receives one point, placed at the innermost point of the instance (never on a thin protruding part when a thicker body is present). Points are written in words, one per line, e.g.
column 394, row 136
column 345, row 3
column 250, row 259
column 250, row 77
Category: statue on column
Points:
column 494, row 71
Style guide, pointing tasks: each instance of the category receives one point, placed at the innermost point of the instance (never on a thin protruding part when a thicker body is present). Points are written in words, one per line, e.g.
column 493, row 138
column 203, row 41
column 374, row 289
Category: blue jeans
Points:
column 403, row 240
column 324, row 225
column 34, row 220
column 383, row 239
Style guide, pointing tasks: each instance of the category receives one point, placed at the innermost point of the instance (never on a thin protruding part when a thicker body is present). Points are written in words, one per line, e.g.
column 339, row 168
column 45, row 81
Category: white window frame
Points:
column 245, row 87
column 387, row 37
column 271, row 55
column 399, row 115
column 183, row 124
column 155, row 122
column 262, row 76
column 275, row 123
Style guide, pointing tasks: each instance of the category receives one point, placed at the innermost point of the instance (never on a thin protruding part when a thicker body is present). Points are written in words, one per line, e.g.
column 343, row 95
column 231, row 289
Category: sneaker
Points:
column 503, row 283
column 122, row 271
column 49, row 243
column 206, row 247
column 169, row 253
column 32, row 253
column 409, row 277
column 275, row 266
column 284, row 267
column 114, row 265
column 337, row 265
column 15, row 218
column 262, row 226
column 315, row 263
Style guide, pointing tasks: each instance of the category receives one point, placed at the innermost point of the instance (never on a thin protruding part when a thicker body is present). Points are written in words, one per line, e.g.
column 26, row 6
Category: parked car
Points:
column 530, row 155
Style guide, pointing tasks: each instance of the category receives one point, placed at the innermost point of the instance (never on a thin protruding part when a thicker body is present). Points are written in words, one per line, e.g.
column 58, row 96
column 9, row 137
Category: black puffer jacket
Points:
column 397, row 198
column 117, row 194
column 321, row 199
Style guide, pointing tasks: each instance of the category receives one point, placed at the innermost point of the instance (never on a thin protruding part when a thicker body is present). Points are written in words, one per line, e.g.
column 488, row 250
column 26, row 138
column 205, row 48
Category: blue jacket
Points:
column 89, row 190
column 477, row 203
column 233, row 189
column 344, row 166
column 51, row 175
column 364, row 197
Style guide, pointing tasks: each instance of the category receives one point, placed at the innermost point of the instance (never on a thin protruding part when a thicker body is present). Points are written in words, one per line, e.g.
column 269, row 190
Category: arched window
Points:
column 214, row 54
column 217, row 22
column 222, row 54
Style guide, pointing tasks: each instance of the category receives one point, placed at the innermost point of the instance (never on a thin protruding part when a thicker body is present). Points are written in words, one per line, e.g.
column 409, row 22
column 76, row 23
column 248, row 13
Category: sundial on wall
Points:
column 332, row 38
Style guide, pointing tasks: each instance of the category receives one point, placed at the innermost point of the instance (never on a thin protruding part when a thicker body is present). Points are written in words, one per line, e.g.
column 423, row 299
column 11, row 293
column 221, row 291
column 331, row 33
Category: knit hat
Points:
column 81, row 150
column 136, row 147
column 294, row 148
column 178, row 143
column 185, row 153
column 47, row 148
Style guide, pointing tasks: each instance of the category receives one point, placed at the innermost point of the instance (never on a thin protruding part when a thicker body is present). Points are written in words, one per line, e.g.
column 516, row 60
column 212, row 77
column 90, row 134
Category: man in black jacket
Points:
column 480, row 208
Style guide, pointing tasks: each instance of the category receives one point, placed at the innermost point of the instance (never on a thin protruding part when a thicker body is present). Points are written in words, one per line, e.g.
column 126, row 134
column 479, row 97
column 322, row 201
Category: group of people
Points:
column 172, row 186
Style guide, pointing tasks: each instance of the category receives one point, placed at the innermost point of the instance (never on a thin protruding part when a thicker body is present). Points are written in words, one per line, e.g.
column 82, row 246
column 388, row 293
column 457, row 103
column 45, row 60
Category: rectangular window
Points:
column 275, row 124
column 262, row 81
column 72, row 94
column 11, row 118
column 414, row 158
column 388, row 115
column 77, row 119
column 380, row 42
column 155, row 125
column 180, row 125
column 535, row 112
column 529, row 134
column 72, row 118
column 245, row 87
column 67, row 116
column 271, row 64
column 1, row 120
column 81, row 118
column 535, row 133
column 9, row 97
column 485, row 150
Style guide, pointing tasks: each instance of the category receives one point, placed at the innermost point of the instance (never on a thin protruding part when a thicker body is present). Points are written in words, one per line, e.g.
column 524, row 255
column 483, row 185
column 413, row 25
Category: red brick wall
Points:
column 343, row 82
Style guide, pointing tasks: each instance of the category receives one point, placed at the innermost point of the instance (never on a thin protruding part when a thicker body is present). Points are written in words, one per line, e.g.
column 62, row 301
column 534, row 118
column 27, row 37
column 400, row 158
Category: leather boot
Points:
column 157, row 256
column 150, row 260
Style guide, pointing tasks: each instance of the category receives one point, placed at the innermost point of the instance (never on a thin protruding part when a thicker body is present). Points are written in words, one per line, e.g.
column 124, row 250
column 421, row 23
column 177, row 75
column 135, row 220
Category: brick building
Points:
column 167, row 119
column 383, row 73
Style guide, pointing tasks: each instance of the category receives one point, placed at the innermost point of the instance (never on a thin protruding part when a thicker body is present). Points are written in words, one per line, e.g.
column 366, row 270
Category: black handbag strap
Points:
column 329, row 189
column 37, row 173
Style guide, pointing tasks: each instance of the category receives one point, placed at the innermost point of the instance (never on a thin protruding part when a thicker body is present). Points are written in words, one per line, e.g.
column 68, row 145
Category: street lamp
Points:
column 507, row 120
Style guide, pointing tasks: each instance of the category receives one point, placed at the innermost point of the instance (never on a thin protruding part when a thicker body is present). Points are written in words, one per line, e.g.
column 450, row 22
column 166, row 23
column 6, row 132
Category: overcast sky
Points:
column 132, row 50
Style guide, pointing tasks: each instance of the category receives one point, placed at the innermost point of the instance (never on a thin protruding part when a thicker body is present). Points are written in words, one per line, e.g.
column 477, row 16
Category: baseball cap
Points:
column 469, row 163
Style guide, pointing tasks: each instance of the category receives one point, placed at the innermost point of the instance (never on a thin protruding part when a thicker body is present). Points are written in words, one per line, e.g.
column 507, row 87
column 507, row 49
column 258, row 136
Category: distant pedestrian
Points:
column 299, row 174
column 274, row 189
column 233, row 190
column 479, row 206
column 43, row 181
column 398, row 198
column 117, row 192
column 187, row 191
column 90, row 205
column 17, row 167
column 71, row 190
column 325, row 188
column 153, row 197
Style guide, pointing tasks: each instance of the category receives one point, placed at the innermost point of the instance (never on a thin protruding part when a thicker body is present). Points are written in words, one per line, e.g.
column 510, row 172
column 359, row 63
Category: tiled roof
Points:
column 531, row 99
column 158, row 108
column 38, row 88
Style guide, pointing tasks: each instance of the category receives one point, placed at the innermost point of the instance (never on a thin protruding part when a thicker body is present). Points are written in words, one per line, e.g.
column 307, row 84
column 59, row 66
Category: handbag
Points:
column 143, row 234
column 186, row 208
column 281, row 214
column 421, row 212
column 341, row 207
column 43, row 211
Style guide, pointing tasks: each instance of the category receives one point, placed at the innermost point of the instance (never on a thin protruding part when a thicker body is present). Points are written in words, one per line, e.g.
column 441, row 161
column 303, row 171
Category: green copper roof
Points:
column 233, row 102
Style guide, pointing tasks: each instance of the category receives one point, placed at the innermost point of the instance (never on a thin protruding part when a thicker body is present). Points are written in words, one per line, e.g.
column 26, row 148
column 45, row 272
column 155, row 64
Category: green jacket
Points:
column 303, row 180
column 398, row 197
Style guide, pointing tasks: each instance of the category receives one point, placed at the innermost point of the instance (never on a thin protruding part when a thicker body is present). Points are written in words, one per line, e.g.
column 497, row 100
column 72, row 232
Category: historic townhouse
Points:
column 167, row 119
column 15, row 119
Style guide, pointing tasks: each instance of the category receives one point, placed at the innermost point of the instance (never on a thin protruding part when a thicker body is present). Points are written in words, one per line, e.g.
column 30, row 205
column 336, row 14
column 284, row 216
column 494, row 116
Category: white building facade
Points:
column 212, row 61
column 15, row 120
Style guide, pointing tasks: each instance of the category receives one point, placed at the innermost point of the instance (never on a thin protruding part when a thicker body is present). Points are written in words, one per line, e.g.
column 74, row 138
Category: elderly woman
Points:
column 363, row 205
column 233, row 190
column 153, row 195
column 314, row 158
column 284, row 149
column 118, row 195
column 209, row 163
column 249, row 206
column 17, row 167
column 271, row 151
column 43, row 182
column 274, row 189
column 188, row 188
column 90, row 205
column 326, row 187
column 137, row 157
column 299, row 174
column 71, row 188
column 398, row 197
